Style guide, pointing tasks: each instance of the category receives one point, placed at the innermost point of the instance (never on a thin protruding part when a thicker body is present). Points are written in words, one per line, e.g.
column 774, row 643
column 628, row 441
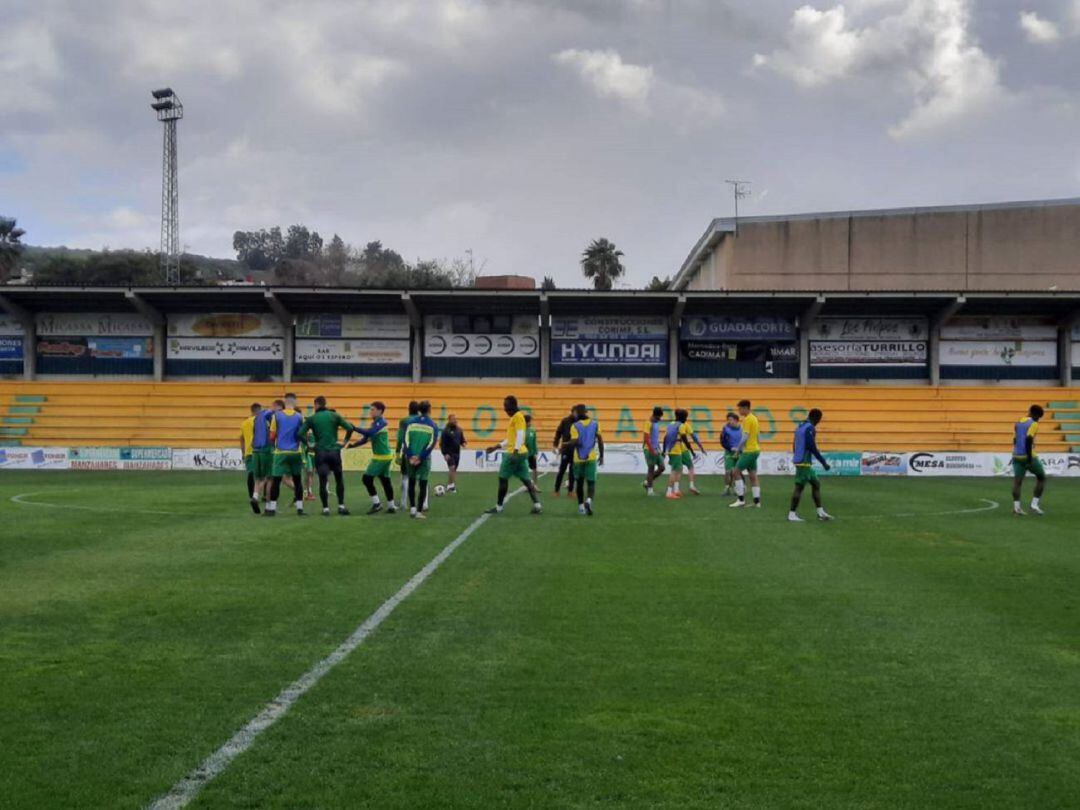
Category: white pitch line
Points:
column 19, row 500
column 990, row 506
column 214, row 765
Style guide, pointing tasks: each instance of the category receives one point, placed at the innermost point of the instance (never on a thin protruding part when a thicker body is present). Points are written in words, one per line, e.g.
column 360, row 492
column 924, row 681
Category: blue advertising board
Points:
column 733, row 328
column 11, row 347
column 609, row 340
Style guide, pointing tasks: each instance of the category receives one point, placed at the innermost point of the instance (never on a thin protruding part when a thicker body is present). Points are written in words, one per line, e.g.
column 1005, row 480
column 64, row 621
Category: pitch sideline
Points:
column 185, row 790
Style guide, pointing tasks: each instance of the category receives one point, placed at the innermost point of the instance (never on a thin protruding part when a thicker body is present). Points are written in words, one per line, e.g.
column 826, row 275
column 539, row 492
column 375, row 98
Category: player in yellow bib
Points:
column 515, row 460
column 247, row 439
column 748, row 453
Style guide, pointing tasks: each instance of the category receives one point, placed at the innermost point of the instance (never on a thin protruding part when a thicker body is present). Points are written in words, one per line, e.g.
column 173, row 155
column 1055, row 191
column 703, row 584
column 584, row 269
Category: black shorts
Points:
column 327, row 461
column 532, row 462
column 452, row 459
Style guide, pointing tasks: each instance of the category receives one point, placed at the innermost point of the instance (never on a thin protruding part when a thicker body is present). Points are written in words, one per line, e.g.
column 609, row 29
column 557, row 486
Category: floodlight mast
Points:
column 169, row 110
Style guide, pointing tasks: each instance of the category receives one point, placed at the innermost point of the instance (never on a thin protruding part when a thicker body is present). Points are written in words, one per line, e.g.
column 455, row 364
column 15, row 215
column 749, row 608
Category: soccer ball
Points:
column 440, row 490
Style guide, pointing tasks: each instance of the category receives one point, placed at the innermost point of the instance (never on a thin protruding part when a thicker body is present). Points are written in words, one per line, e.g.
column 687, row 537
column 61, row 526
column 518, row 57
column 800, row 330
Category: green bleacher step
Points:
column 12, row 431
column 1063, row 405
column 16, row 420
column 10, row 443
column 24, row 409
column 29, row 399
column 1072, row 437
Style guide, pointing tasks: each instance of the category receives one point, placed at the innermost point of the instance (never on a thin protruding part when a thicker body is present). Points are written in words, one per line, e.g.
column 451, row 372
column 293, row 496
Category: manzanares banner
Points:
column 120, row 458
column 737, row 328
column 609, row 340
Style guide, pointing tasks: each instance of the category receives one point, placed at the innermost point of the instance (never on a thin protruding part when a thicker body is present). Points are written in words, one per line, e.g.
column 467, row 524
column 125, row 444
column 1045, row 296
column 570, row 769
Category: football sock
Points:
column 757, row 494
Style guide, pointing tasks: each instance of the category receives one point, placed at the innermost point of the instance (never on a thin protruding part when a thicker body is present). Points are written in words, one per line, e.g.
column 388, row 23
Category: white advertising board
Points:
column 225, row 325
column 92, row 324
column 181, row 348
column 352, row 351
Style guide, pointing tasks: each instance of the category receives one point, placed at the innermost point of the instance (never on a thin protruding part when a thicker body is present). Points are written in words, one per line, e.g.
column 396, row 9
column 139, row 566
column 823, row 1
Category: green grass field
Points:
column 910, row 654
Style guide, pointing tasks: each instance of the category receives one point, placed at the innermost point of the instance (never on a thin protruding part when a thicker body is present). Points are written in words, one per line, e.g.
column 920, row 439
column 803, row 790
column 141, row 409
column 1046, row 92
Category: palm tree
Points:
column 601, row 263
column 10, row 246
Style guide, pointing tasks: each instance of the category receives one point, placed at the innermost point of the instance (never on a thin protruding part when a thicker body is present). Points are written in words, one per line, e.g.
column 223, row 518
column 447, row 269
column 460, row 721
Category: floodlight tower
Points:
column 169, row 110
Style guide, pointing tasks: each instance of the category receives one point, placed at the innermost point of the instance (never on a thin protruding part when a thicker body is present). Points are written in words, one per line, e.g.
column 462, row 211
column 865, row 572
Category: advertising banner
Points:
column 867, row 352
column 441, row 340
column 841, row 464
column 120, row 458
column 125, row 348
column 11, row 347
column 352, row 351
column 999, row 353
column 737, row 328
column 870, row 329
column 229, row 458
column 93, row 324
column 180, row 348
column 620, row 340
column 10, row 326
column 62, row 347
column 225, row 325
column 998, row 328
column 336, row 325
column 884, row 464
column 969, row 464
column 1075, row 352
column 34, row 458
column 744, row 352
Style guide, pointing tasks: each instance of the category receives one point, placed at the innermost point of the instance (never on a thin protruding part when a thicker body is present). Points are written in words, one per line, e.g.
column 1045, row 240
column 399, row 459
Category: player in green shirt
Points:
column 530, row 446
column 378, row 433
column 420, row 437
column 324, row 425
column 399, row 447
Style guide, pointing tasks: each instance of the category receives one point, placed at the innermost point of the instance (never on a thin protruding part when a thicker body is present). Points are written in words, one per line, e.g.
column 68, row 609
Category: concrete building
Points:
column 1026, row 246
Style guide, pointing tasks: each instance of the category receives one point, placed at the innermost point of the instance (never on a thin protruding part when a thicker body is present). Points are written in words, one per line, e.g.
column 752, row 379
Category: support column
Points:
column 287, row 323
column 545, row 338
column 933, row 343
column 416, row 327
column 674, row 324
column 157, row 319
column 806, row 323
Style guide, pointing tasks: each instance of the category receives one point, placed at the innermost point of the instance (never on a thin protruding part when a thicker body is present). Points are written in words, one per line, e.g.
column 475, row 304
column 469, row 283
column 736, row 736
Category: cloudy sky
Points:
column 521, row 129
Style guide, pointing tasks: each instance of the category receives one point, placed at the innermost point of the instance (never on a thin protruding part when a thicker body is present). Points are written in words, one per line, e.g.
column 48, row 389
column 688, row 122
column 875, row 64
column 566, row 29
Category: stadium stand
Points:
column 208, row 415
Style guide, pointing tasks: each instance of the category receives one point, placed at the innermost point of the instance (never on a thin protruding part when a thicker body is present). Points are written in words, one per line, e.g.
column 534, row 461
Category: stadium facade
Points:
column 1000, row 246
column 691, row 336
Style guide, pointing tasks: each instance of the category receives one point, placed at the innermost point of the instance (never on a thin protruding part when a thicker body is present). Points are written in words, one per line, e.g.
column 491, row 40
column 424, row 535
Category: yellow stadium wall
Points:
column 206, row 415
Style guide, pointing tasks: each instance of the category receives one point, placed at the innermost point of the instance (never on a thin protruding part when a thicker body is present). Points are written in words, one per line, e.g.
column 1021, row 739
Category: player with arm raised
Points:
column 804, row 452
column 378, row 433
column 749, row 451
column 1025, row 461
column 420, row 438
column 515, row 458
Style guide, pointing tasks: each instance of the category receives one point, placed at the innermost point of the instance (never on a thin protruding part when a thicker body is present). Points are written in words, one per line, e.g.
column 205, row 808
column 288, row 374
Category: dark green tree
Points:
column 602, row 264
column 659, row 284
column 548, row 283
column 10, row 246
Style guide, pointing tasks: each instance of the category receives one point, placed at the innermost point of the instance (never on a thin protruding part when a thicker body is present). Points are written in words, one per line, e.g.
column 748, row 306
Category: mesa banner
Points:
column 380, row 326
column 1027, row 353
column 11, row 347
column 737, row 328
column 353, row 351
column 870, row 329
column 93, row 324
column 998, row 327
column 225, row 325
column 523, row 339
column 867, row 352
column 225, row 348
